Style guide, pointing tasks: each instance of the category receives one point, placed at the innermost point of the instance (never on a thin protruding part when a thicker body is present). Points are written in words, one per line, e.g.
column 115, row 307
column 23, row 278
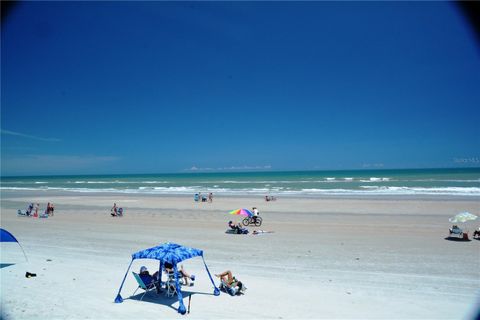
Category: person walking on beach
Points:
column 210, row 197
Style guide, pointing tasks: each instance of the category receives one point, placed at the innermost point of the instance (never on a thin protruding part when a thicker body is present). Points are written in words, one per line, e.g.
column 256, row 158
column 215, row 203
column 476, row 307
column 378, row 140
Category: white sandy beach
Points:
column 328, row 258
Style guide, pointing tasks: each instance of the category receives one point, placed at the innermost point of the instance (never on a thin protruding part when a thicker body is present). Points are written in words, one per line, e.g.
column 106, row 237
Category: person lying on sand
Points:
column 231, row 282
column 261, row 231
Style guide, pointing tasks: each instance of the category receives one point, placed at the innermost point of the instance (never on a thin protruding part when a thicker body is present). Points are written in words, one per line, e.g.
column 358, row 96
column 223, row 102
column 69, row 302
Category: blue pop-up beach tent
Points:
column 172, row 253
column 6, row 236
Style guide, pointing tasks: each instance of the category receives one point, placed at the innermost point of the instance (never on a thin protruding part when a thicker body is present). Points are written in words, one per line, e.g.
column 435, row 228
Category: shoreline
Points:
column 369, row 197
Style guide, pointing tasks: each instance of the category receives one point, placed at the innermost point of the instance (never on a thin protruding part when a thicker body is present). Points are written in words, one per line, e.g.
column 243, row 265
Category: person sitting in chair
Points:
column 149, row 279
column 232, row 225
column 237, row 228
column 476, row 233
column 181, row 273
column 230, row 283
column 455, row 230
column 29, row 209
column 113, row 211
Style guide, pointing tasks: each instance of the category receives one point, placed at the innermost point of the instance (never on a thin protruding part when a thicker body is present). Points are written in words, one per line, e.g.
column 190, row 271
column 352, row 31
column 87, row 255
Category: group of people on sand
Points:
column 149, row 279
column 270, row 198
column 239, row 229
column 33, row 210
column 199, row 197
column 228, row 282
column 116, row 211
column 456, row 230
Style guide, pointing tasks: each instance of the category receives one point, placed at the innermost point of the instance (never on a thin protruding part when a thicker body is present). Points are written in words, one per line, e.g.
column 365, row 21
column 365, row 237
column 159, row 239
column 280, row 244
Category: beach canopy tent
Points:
column 6, row 236
column 172, row 253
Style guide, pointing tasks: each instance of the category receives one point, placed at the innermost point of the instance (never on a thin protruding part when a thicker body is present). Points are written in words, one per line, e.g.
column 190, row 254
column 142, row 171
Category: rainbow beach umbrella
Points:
column 242, row 212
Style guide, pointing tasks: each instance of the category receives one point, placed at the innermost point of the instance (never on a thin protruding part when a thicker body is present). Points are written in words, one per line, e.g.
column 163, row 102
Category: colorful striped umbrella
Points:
column 243, row 212
column 462, row 217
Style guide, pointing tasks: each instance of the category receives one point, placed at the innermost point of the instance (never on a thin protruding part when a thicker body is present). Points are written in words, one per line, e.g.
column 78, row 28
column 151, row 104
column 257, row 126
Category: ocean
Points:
column 432, row 182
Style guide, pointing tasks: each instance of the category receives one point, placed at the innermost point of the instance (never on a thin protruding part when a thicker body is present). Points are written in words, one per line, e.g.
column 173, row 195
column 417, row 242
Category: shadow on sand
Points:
column 160, row 298
column 457, row 239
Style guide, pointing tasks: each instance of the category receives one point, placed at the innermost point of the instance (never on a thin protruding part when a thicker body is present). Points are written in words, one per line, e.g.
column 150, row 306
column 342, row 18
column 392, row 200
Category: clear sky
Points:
column 152, row 87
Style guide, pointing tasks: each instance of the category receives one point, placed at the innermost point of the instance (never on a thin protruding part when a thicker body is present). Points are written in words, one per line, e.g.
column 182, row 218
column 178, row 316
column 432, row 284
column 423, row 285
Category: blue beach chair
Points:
column 142, row 285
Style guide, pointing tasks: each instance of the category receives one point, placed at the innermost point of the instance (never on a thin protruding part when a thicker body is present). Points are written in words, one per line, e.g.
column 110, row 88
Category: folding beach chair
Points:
column 142, row 285
column 171, row 285
column 456, row 230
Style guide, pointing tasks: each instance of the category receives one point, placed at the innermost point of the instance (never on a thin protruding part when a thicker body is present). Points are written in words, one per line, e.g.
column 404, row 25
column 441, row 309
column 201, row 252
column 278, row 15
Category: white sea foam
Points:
column 364, row 190
column 152, row 182
column 375, row 179
column 116, row 182
column 465, row 191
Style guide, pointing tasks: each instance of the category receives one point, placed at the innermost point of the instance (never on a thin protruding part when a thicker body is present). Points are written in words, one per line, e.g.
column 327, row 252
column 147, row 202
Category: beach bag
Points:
column 231, row 291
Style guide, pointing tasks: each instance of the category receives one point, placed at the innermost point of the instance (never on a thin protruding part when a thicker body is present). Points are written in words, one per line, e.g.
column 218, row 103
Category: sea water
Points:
column 433, row 182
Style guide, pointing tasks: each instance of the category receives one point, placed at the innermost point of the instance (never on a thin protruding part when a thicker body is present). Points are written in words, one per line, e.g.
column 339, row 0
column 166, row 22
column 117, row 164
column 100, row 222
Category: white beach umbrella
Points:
column 462, row 217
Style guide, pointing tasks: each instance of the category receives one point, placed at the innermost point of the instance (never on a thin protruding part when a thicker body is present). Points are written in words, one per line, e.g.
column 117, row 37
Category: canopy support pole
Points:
column 22, row 250
column 160, row 267
column 216, row 291
column 181, row 307
column 119, row 298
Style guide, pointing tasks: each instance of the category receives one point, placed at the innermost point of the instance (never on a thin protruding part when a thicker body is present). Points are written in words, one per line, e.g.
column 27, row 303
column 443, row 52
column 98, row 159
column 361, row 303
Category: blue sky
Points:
column 152, row 87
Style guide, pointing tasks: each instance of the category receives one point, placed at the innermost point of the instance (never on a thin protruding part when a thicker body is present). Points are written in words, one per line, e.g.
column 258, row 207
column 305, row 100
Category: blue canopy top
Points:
column 169, row 252
column 6, row 236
